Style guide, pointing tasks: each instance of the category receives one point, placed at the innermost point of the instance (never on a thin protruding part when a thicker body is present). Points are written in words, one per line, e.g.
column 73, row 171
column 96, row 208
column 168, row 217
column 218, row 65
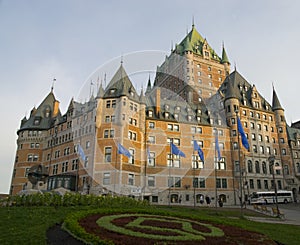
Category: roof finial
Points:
column 234, row 66
column 193, row 23
column 121, row 60
column 171, row 45
column 52, row 87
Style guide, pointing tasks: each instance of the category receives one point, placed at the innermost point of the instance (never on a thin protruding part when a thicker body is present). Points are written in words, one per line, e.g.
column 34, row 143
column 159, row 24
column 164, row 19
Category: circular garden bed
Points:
column 143, row 229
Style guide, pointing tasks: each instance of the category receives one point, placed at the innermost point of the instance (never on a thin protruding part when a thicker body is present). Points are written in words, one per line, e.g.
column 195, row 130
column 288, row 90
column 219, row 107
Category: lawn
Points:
column 28, row 224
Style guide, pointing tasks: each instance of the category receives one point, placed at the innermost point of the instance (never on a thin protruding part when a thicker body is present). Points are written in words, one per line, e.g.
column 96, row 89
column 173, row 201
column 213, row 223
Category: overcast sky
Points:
column 70, row 39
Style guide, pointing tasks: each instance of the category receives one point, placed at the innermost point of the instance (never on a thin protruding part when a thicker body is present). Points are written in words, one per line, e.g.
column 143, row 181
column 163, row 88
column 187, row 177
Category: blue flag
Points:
column 176, row 151
column 243, row 135
column 199, row 150
column 122, row 150
column 81, row 152
column 217, row 147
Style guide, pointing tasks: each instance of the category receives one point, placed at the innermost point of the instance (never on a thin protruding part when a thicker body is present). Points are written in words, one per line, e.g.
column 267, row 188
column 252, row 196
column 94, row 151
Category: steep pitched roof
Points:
column 42, row 117
column 120, row 85
column 193, row 41
column 275, row 102
column 224, row 56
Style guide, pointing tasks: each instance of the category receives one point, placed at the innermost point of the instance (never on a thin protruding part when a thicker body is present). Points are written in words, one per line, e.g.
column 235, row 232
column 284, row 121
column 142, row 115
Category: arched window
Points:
column 264, row 167
column 257, row 168
column 174, row 198
column 250, row 166
column 200, row 198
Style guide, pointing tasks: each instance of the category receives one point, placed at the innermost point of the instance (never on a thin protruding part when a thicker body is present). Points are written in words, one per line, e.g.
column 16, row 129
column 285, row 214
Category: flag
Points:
column 176, row 151
column 217, row 147
column 243, row 135
column 199, row 150
column 123, row 150
column 81, row 152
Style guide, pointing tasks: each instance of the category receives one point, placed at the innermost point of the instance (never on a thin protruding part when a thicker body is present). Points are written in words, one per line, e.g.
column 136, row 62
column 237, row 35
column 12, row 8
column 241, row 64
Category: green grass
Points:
column 28, row 225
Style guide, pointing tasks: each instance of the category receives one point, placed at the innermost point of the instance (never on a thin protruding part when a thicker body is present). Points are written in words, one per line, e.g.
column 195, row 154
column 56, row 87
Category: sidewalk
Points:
column 291, row 217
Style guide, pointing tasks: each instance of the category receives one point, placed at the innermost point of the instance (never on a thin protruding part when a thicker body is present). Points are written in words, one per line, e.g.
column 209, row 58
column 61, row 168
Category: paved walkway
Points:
column 291, row 216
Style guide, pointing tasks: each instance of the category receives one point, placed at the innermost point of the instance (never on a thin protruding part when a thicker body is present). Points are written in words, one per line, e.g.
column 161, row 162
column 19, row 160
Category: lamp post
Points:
column 271, row 160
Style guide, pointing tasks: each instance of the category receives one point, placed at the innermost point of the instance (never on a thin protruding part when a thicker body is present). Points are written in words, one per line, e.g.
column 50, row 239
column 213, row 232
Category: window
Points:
column 75, row 164
column 87, row 144
column 197, row 130
column 108, row 104
column 251, row 184
column 283, row 151
column 150, row 113
column 30, row 158
column 86, row 162
column 64, row 167
column 261, row 149
column 173, row 161
column 267, row 139
column 260, row 138
column 221, row 164
column 107, row 119
column 257, row 168
column 131, row 159
column 235, row 145
column 259, row 126
column 298, row 167
column 250, row 166
column 106, row 178
column 266, row 184
column 107, row 154
column 254, row 147
column 286, row 170
column 131, row 135
column 113, row 104
column 151, row 139
column 258, row 182
column 252, row 125
column 130, row 179
column 151, row 159
column 55, row 169
column 151, row 181
column 199, row 182
column 197, row 163
column 264, row 167
column 221, row 183
column 151, row 125
column 253, row 137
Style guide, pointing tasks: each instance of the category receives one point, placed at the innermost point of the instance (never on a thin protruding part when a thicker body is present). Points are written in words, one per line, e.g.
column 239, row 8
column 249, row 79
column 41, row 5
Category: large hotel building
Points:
column 195, row 96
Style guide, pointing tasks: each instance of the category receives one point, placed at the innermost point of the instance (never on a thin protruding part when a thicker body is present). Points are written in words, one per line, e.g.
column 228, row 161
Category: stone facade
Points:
column 194, row 97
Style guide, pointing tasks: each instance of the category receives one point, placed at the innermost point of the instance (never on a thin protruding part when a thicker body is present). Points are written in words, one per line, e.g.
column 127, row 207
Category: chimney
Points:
column 55, row 108
column 157, row 100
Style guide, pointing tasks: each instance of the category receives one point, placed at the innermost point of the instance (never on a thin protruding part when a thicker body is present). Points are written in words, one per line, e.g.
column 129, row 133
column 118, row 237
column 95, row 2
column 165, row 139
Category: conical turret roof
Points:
column 275, row 102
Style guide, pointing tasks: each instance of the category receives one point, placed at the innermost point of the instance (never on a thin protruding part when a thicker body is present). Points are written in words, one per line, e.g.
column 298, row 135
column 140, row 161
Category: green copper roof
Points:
column 224, row 56
column 275, row 103
column 194, row 42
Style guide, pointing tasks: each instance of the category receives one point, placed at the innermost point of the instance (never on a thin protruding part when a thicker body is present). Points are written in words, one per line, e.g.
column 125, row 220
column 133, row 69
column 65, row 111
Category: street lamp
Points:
column 271, row 160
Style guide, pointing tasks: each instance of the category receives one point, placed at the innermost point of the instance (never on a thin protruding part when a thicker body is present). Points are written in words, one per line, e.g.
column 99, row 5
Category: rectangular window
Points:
column 258, row 184
column 266, row 184
column 202, row 182
column 107, row 154
column 106, row 178
column 251, row 183
column 151, row 159
column 108, row 104
column 151, row 125
column 113, row 103
column 130, row 179
column 151, row 181
column 131, row 159
column 151, row 139
column 224, row 183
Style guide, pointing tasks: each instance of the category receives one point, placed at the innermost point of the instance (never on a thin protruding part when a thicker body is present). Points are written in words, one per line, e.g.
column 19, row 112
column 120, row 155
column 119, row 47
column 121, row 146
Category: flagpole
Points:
column 216, row 157
column 170, row 175
column 194, row 169
column 239, row 158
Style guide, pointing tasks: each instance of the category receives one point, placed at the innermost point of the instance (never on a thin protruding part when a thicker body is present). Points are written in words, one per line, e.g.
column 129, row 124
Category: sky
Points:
column 71, row 39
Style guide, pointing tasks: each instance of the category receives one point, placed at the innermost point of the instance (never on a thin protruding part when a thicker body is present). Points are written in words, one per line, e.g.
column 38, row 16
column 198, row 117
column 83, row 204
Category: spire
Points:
column 100, row 92
column 193, row 22
column 275, row 103
column 142, row 97
column 148, row 86
column 224, row 56
column 52, row 87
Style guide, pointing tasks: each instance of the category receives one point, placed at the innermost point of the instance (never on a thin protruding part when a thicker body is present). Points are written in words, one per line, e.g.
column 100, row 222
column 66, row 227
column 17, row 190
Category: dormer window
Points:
column 36, row 121
column 150, row 113
column 167, row 114
column 199, row 111
column 132, row 93
column 176, row 116
column 167, row 107
column 112, row 91
column 178, row 108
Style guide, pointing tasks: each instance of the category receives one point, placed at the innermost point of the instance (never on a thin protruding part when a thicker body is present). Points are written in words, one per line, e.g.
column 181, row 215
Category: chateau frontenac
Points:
column 121, row 142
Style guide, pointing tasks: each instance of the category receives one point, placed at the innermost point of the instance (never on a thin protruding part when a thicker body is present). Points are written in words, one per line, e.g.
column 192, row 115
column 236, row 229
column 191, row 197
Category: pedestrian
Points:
column 207, row 199
column 201, row 199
